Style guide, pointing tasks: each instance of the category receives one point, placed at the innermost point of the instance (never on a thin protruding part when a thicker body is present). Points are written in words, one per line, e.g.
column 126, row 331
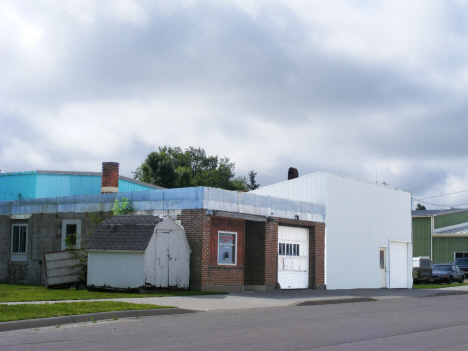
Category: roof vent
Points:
column 292, row 173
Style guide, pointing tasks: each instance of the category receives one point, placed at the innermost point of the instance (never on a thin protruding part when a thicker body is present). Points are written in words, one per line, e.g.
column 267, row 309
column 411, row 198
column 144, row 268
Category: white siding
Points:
column 167, row 261
column 360, row 218
column 116, row 269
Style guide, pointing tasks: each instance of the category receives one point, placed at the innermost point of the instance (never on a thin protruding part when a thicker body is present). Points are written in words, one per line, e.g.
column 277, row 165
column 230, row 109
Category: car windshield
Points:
column 442, row 267
column 461, row 261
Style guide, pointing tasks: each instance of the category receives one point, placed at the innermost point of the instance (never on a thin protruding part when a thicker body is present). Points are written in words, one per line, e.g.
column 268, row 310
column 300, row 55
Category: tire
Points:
column 450, row 280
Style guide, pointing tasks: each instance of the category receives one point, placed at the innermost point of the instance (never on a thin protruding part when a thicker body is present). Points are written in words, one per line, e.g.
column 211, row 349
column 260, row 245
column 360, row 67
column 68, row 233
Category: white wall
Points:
column 116, row 269
column 360, row 218
column 158, row 270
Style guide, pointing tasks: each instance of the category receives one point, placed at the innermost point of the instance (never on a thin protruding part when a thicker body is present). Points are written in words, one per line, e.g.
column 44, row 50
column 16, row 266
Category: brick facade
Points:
column 110, row 177
column 257, row 249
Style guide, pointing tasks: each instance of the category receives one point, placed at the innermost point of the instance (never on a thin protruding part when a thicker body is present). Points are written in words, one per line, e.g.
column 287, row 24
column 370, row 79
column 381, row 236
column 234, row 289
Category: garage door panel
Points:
column 293, row 257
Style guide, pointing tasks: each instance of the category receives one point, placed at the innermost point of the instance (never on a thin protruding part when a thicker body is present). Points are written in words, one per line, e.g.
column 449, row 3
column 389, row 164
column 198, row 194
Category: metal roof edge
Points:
column 337, row 175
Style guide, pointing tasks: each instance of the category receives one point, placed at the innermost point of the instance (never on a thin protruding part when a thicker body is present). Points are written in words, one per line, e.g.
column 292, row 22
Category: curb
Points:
column 81, row 318
column 335, row 301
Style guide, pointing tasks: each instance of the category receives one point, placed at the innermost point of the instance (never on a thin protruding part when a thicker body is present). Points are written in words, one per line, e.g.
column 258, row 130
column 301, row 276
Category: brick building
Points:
column 233, row 235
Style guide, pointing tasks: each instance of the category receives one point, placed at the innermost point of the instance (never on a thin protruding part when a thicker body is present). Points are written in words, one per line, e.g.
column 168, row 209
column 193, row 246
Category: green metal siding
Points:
column 444, row 248
column 450, row 219
column 421, row 236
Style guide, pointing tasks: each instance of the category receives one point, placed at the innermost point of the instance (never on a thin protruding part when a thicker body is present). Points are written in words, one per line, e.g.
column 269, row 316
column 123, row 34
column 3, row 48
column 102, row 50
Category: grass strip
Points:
column 34, row 311
column 436, row 286
column 23, row 293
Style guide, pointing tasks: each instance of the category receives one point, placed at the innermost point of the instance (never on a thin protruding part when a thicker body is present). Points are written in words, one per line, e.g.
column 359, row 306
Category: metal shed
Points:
column 133, row 251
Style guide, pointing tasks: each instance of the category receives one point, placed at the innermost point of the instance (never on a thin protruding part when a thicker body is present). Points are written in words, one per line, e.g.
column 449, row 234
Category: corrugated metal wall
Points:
column 54, row 185
column 126, row 186
column 450, row 219
column 11, row 185
column 37, row 186
column 421, row 236
column 444, row 248
column 360, row 218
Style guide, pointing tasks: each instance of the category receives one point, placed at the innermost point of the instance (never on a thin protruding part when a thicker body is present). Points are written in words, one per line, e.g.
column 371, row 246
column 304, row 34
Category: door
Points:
column 398, row 265
column 383, row 267
column 162, row 259
column 293, row 257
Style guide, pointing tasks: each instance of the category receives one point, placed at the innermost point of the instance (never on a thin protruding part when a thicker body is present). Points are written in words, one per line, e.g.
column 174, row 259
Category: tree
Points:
column 252, row 185
column 420, row 207
column 173, row 168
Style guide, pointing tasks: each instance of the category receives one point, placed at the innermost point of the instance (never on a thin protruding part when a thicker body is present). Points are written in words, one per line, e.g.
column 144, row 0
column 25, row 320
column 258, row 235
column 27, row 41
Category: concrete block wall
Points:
column 44, row 235
column 5, row 247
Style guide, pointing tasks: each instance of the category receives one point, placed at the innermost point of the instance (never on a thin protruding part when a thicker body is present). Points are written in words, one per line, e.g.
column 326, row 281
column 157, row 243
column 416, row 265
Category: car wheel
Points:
column 450, row 280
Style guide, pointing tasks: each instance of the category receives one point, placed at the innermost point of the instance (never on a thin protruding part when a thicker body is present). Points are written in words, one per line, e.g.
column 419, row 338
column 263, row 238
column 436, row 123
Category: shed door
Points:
column 398, row 265
column 293, row 257
column 162, row 260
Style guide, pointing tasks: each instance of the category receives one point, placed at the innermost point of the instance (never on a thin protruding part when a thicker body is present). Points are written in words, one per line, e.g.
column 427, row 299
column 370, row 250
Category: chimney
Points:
column 110, row 177
column 292, row 173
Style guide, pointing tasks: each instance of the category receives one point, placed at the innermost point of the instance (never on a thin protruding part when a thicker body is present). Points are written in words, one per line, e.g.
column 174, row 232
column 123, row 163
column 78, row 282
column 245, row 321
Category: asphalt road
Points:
column 431, row 323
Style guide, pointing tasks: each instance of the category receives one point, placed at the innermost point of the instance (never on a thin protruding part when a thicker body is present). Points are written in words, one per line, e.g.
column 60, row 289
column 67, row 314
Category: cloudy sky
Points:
column 375, row 90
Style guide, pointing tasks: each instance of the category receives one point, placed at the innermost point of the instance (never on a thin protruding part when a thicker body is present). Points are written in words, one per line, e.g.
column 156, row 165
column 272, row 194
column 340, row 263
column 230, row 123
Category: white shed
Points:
column 135, row 251
column 367, row 229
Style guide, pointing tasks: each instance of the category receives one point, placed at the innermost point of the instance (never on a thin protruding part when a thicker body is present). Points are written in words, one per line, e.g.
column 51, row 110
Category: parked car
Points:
column 422, row 271
column 462, row 263
column 447, row 273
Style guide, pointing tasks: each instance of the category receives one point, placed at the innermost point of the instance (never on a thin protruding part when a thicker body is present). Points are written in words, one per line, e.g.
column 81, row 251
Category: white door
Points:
column 162, row 258
column 383, row 268
column 293, row 257
column 398, row 265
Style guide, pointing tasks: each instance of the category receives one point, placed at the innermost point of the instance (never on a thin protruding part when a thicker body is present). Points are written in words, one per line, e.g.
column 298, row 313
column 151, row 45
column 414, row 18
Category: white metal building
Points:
column 367, row 234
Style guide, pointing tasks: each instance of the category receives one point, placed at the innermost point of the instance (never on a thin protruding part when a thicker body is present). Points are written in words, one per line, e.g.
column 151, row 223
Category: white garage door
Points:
column 293, row 257
column 398, row 265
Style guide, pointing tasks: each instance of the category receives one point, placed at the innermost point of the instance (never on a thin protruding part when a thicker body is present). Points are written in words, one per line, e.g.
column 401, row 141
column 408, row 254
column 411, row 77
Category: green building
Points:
column 440, row 234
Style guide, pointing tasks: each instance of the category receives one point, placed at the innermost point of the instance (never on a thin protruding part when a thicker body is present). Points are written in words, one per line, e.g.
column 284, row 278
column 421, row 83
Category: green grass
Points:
column 33, row 311
column 22, row 293
column 436, row 286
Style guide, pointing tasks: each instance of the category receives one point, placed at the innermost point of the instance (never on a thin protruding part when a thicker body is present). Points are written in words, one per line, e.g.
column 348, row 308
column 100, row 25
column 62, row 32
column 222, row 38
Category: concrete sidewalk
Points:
column 243, row 300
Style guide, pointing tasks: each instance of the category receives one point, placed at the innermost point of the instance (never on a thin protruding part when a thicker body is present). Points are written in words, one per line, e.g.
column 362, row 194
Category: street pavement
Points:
column 240, row 300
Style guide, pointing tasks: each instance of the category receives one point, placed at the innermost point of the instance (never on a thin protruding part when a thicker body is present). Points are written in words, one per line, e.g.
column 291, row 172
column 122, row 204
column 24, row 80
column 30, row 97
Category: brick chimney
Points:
column 292, row 173
column 110, row 177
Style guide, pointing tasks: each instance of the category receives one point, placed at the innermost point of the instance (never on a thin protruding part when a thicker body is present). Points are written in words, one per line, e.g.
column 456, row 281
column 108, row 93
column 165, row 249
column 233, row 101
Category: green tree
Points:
column 173, row 168
column 420, row 207
column 252, row 185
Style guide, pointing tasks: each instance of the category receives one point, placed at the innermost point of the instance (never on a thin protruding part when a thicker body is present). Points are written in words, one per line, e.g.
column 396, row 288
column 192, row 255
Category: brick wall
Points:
column 110, row 176
column 197, row 230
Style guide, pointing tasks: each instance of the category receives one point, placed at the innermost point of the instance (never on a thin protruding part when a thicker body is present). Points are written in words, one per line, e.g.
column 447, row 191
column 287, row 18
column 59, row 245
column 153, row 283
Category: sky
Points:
column 374, row 90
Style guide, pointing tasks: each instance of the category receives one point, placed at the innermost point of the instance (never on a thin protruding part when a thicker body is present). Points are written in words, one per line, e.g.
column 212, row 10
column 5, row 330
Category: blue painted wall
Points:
column 16, row 186
column 31, row 185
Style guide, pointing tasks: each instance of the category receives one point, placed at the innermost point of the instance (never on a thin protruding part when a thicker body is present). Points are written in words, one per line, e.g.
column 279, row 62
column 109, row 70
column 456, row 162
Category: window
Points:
column 461, row 254
column 72, row 228
column 227, row 248
column 18, row 239
column 288, row 249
